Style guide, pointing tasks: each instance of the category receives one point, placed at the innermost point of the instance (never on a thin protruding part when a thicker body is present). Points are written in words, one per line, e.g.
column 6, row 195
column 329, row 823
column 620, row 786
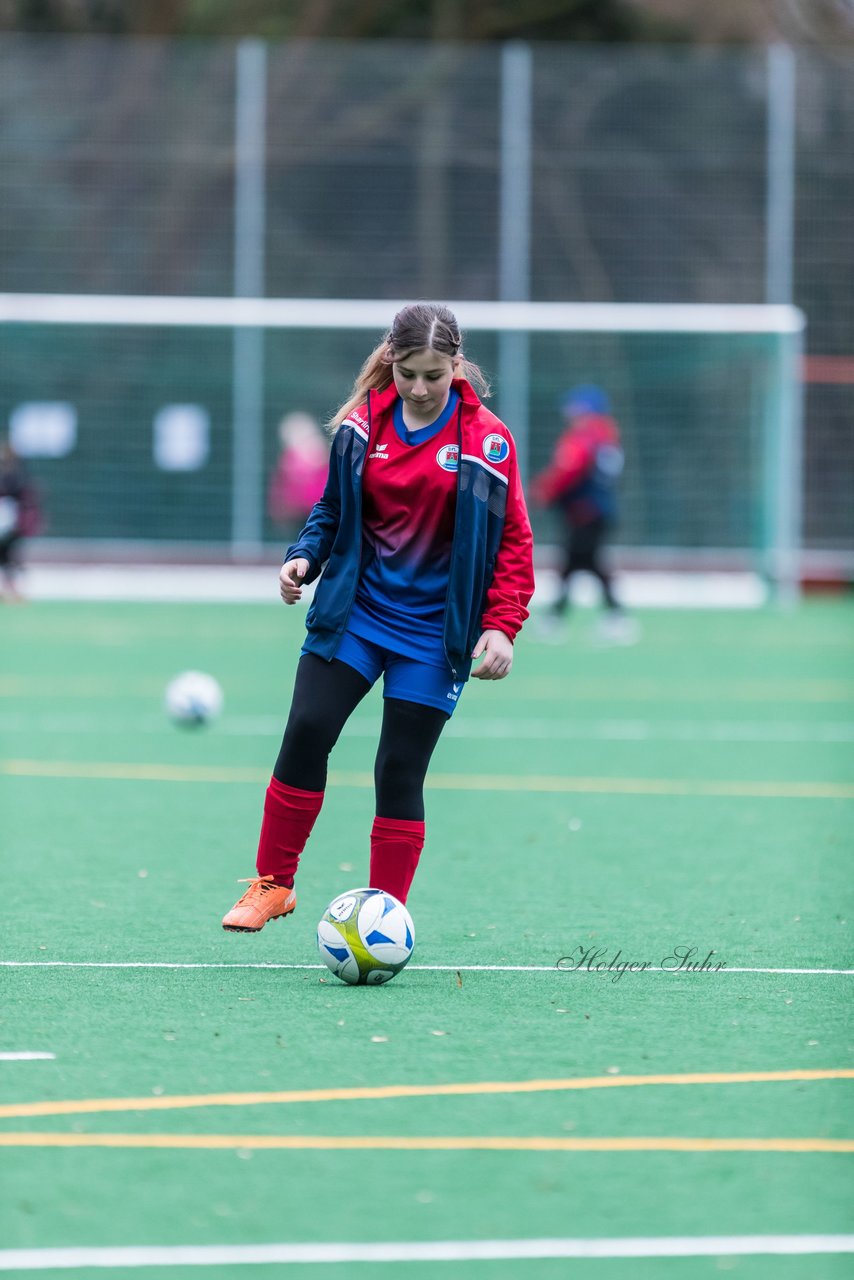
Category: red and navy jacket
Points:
column 583, row 473
column 491, row 575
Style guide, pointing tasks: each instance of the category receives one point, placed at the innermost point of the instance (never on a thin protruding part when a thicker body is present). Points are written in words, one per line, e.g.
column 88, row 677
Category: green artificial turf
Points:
column 695, row 790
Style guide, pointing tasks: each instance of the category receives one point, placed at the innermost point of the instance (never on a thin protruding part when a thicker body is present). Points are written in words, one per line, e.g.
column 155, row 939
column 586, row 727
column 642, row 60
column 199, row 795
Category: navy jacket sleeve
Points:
column 314, row 543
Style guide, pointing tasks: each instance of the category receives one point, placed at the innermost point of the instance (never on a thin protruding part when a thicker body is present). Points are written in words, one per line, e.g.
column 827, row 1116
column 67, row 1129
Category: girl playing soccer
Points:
column 423, row 538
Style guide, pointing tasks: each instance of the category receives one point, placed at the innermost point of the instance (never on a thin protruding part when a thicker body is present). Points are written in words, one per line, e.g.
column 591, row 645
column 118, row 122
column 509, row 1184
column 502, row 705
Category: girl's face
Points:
column 423, row 380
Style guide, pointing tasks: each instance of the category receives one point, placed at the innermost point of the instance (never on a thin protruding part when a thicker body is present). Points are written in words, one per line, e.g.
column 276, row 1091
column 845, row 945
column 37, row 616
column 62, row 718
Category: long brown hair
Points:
column 421, row 326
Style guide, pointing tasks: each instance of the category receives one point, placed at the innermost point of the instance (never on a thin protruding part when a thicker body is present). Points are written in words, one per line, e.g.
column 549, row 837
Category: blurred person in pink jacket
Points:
column 299, row 477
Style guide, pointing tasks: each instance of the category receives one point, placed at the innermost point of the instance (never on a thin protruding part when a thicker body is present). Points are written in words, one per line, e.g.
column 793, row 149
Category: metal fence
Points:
column 396, row 170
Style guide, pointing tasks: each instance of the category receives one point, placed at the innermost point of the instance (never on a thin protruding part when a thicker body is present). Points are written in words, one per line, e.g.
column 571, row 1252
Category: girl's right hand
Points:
column 291, row 578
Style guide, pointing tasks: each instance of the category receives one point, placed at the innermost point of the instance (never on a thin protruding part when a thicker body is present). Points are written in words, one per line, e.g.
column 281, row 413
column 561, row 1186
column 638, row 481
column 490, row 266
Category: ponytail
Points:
column 475, row 375
column 374, row 375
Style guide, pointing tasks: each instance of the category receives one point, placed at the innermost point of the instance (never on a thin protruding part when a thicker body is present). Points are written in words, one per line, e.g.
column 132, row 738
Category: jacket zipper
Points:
column 453, row 541
column 359, row 491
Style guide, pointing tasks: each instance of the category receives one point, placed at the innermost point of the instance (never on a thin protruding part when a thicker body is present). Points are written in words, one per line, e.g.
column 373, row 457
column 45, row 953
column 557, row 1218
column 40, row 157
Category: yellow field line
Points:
column 111, row 771
column 462, row 1088
column 276, row 1142
column 108, row 770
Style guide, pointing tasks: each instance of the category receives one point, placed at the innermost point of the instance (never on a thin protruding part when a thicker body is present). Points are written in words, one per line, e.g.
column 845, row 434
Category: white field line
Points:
column 634, row 730
column 413, row 968
column 27, row 1057
column 631, row 731
column 427, row 1251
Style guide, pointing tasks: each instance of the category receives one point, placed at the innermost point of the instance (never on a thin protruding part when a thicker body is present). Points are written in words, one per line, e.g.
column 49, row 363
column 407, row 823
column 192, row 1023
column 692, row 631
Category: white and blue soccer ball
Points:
column 193, row 698
column 365, row 936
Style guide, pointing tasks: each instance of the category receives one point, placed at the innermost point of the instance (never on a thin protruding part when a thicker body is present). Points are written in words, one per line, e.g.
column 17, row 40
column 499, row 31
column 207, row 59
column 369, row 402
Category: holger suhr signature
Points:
column 682, row 959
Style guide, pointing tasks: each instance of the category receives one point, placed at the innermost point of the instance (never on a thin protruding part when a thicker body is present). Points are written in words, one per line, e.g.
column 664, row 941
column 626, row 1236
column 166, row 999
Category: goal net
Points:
column 152, row 422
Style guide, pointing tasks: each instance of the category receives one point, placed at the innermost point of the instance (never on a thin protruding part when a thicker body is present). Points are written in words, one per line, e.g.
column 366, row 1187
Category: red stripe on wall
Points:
column 838, row 369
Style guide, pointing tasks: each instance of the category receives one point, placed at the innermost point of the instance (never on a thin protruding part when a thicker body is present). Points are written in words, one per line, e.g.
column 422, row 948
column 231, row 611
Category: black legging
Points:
column 10, row 552
column 583, row 550
column 325, row 695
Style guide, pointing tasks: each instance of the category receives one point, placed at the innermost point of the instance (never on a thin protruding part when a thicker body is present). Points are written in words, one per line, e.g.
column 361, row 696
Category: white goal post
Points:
column 512, row 327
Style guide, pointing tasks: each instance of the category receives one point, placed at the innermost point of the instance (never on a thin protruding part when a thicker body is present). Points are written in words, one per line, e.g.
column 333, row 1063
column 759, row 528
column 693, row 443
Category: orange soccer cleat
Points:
column 264, row 900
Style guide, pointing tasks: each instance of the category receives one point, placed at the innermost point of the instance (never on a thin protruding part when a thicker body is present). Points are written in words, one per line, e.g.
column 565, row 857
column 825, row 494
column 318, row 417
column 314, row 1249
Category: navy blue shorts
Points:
column 403, row 678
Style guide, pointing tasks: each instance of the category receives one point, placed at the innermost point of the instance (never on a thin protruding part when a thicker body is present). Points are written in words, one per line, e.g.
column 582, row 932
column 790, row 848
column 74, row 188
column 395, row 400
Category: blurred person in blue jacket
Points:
column 581, row 482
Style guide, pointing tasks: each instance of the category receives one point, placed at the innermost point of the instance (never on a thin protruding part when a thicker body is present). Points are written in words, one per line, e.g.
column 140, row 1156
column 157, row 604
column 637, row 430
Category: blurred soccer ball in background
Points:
column 193, row 698
column 365, row 936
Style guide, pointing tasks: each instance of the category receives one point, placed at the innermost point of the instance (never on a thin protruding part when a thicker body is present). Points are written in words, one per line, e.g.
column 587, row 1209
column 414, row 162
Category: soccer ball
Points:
column 365, row 936
column 193, row 698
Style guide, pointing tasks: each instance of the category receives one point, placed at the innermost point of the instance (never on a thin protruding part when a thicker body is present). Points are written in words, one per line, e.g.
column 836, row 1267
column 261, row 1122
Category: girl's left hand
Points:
column 497, row 651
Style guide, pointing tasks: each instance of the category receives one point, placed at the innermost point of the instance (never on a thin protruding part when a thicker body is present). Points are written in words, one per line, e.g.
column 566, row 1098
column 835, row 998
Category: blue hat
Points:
column 585, row 399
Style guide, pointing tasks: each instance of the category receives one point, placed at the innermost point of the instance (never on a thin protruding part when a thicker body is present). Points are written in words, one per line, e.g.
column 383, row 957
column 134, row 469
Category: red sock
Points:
column 289, row 815
column 396, row 845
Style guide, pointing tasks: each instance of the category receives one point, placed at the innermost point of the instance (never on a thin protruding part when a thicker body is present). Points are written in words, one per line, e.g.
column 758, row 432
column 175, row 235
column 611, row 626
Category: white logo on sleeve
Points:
column 448, row 457
column 495, row 448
